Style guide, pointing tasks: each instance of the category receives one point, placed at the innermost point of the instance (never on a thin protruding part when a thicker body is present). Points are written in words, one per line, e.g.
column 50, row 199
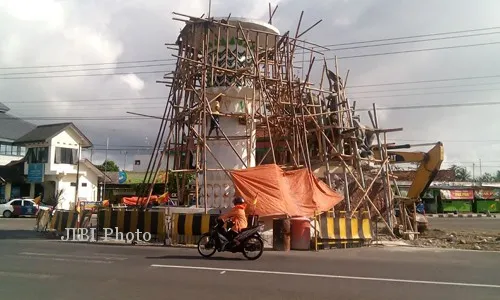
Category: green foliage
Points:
column 461, row 173
column 142, row 189
column 174, row 177
column 487, row 177
column 108, row 166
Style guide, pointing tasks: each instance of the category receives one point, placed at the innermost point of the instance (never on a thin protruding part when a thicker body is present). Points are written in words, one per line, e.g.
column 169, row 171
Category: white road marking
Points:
column 223, row 272
column 60, row 259
column 435, row 249
column 27, row 275
column 72, row 256
column 331, row 276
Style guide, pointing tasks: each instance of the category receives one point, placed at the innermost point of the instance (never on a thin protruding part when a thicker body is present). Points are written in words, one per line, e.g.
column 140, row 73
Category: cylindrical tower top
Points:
column 254, row 27
column 228, row 50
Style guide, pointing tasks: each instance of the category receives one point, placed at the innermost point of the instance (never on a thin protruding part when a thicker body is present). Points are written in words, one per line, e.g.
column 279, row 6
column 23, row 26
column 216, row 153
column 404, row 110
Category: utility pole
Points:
column 77, row 173
column 125, row 162
column 473, row 172
column 480, row 169
column 105, row 169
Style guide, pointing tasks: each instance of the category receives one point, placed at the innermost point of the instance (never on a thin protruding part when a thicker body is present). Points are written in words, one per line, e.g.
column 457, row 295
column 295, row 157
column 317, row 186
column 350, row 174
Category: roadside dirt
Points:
column 459, row 240
column 463, row 239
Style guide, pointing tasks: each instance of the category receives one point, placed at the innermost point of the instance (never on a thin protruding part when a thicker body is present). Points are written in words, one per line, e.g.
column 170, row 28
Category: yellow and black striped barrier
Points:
column 62, row 219
column 187, row 229
column 42, row 220
column 84, row 218
column 131, row 220
column 339, row 231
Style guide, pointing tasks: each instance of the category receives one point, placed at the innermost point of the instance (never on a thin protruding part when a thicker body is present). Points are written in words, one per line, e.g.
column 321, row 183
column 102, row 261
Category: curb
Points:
column 451, row 215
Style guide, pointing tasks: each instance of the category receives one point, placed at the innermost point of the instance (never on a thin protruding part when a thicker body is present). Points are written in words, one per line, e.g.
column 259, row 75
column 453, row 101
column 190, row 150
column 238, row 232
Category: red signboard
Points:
column 457, row 194
column 487, row 194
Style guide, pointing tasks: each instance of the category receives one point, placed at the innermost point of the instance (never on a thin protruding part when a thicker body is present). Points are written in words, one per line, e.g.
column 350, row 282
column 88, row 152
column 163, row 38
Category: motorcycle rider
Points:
column 238, row 216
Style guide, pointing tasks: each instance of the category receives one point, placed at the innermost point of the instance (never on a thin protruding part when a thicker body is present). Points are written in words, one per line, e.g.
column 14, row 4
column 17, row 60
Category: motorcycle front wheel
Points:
column 206, row 245
column 253, row 247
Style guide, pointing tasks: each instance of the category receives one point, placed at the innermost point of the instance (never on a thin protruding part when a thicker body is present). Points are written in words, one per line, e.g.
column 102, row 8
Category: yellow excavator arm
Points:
column 430, row 163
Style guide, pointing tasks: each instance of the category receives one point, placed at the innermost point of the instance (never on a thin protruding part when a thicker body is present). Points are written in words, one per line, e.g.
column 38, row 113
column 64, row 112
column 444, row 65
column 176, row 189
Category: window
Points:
column 28, row 203
column 38, row 155
column 84, row 184
column 17, row 203
column 73, row 184
column 66, row 156
column 137, row 163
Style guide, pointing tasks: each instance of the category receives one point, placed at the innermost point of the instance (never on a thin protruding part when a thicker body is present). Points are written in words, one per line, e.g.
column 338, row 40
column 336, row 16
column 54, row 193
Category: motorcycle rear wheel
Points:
column 205, row 240
column 257, row 242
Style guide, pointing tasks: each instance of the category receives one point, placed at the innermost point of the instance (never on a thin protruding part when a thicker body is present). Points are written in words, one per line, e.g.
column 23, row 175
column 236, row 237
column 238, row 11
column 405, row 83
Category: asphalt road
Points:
column 35, row 268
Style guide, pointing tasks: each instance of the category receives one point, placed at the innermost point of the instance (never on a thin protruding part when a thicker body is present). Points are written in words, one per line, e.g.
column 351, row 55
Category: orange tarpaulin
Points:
column 142, row 200
column 294, row 193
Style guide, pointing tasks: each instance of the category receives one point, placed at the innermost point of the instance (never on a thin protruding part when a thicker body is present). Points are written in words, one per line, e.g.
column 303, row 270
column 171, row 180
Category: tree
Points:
column 108, row 166
column 461, row 173
column 487, row 177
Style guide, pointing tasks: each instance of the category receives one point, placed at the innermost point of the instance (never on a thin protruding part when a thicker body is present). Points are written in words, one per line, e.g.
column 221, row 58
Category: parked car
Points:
column 18, row 207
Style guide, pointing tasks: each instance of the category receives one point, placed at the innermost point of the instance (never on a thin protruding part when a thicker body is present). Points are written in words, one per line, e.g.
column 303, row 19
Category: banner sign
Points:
column 428, row 194
column 487, row 194
column 35, row 173
column 457, row 194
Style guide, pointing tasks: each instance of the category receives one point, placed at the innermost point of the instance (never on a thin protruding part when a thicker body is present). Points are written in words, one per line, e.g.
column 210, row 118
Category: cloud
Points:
column 133, row 81
column 46, row 12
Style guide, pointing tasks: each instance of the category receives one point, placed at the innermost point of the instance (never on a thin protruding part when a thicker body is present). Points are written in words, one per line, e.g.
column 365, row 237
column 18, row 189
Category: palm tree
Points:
column 461, row 173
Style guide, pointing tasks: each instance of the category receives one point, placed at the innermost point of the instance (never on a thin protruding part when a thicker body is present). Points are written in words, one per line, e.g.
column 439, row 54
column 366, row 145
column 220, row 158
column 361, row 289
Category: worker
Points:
column 214, row 120
column 238, row 217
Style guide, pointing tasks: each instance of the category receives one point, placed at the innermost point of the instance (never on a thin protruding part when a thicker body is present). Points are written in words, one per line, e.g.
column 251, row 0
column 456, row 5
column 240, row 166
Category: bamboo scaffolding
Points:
column 316, row 121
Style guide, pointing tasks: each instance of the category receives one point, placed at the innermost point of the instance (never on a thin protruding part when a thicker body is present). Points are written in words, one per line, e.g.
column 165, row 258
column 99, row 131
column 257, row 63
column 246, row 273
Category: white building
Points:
column 11, row 128
column 141, row 162
column 53, row 159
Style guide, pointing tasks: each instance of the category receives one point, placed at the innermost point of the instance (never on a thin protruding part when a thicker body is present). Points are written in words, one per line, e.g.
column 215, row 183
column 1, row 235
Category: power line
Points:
column 423, row 94
column 82, row 75
column 85, row 100
column 424, row 81
column 406, row 107
column 174, row 59
column 425, row 88
column 133, row 146
column 448, row 141
column 413, row 51
column 118, row 149
column 76, row 118
column 412, row 36
column 87, row 64
column 142, row 99
column 97, row 107
column 409, row 107
column 416, row 41
column 83, row 70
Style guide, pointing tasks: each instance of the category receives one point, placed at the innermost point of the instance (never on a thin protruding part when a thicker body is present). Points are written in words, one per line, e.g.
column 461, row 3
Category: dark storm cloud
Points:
column 51, row 32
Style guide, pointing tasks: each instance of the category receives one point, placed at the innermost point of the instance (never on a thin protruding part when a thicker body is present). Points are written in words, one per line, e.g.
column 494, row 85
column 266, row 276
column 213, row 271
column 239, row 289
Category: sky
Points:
column 88, row 40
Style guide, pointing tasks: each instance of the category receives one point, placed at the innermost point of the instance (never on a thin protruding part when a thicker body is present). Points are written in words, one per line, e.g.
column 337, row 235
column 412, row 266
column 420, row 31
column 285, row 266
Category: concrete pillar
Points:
column 32, row 190
column 8, row 191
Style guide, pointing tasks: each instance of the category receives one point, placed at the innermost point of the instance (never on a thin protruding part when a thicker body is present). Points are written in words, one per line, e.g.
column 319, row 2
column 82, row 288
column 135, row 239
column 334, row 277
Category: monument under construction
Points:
column 235, row 102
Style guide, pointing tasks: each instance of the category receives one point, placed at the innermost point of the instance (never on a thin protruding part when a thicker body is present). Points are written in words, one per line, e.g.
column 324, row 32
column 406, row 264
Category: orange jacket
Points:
column 237, row 213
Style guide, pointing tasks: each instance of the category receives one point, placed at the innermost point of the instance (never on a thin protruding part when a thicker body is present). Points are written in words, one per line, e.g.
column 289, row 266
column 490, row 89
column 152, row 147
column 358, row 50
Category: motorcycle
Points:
column 246, row 242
